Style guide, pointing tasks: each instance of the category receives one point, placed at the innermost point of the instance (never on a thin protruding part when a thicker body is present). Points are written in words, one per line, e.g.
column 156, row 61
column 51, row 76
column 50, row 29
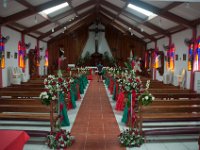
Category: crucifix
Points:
column 96, row 30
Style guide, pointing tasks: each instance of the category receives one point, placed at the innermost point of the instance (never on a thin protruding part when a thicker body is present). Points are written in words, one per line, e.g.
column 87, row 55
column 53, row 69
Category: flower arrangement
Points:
column 131, row 82
column 46, row 98
column 59, row 139
column 54, row 84
column 146, row 98
column 131, row 138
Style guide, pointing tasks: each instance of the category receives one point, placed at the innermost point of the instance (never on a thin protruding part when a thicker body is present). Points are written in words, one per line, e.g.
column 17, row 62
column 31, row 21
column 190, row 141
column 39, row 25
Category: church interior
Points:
column 100, row 74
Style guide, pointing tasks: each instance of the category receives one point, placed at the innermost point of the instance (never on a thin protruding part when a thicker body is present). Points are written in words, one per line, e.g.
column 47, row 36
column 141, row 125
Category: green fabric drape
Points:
column 114, row 91
column 73, row 97
column 125, row 113
column 65, row 121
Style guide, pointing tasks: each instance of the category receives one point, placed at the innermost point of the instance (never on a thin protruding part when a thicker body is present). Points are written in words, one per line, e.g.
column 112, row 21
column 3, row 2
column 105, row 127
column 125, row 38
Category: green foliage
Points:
column 146, row 98
column 128, row 65
column 131, row 138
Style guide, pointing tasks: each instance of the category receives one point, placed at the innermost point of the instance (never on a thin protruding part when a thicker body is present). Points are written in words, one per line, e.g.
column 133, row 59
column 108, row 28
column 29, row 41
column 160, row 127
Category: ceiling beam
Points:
column 60, row 16
column 129, row 25
column 164, row 14
column 119, row 27
column 108, row 21
column 33, row 28
column 90, row 18
column 11, row 27
column 85, row 5
column 171, row 6
column 72, row 7
column 26, row 4
column 66, row 24
column 28, row 12
column 86, row 20
column 138, row 20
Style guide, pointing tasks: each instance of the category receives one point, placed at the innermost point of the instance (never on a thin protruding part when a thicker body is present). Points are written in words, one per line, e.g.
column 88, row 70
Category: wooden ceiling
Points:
column 23, row 16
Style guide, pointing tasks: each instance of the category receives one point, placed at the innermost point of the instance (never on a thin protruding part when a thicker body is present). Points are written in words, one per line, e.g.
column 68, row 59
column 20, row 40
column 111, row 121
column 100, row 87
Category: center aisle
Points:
column 95, row 127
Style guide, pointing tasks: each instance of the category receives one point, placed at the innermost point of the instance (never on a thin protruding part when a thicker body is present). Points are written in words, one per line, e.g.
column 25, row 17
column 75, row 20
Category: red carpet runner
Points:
column 95, row 127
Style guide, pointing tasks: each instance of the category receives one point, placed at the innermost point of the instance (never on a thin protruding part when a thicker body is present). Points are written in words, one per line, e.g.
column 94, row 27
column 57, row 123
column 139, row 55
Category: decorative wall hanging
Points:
column 46, row 59
column 21, row 54
column 197, row 56
column 170, row 57
column 2, row 51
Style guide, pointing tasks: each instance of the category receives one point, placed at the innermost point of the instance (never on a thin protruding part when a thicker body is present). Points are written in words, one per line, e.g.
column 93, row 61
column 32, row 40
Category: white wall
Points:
column 12, row 47
column 150, row 45
column 180, row 49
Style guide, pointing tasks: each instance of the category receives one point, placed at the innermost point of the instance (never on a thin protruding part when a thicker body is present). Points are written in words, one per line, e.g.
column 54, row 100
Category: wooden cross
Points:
column 96, row 30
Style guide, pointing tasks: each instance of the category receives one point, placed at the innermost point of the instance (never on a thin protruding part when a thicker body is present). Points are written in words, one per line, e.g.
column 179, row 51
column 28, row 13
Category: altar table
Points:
column 12, row 139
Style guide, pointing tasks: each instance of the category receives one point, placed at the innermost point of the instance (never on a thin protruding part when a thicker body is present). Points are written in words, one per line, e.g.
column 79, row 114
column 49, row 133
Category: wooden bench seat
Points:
column 176, row 95
column 24, row 108
column 20, row 93
column 24, row 116
column 156, row 90
column 168, row 117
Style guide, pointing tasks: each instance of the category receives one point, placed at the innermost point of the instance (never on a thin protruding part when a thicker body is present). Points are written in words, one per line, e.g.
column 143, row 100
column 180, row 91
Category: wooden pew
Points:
column 174, row 111
column 20, row 93
column 27, row 109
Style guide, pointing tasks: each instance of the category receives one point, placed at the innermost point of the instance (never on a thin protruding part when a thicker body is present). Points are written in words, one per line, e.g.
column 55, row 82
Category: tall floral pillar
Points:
column 46, row 62
column 2, row 51
column 2, row 57
column 38, row 57
column 21, row 55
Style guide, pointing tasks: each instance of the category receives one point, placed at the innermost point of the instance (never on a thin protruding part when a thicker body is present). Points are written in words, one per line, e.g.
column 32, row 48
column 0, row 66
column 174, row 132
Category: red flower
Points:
column 58, row 135
column 130, row 80
column 60, row 80
column 68, row 69
column 61, row 106
column 61, row 118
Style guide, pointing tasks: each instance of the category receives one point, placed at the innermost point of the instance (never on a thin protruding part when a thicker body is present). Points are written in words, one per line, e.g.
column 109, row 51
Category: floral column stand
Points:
column 56, row 87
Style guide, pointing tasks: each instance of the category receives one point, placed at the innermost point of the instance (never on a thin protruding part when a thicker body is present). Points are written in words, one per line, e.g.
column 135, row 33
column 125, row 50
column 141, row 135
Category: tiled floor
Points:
column 95, row 127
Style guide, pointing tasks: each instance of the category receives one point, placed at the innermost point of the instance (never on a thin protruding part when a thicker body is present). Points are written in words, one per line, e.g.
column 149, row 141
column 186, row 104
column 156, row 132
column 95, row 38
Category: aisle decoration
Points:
column 55, row 90
column 136, row 93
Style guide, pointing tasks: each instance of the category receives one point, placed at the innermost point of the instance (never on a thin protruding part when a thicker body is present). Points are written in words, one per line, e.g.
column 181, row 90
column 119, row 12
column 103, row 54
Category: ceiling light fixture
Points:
column 141, row 10
column 36, row 19
column 187, row 5
column 5, row 4
column 55, row 8
column 160, row 22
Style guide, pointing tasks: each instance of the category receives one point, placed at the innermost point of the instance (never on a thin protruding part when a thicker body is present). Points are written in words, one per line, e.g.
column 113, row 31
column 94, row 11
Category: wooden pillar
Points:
column 194, row 36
